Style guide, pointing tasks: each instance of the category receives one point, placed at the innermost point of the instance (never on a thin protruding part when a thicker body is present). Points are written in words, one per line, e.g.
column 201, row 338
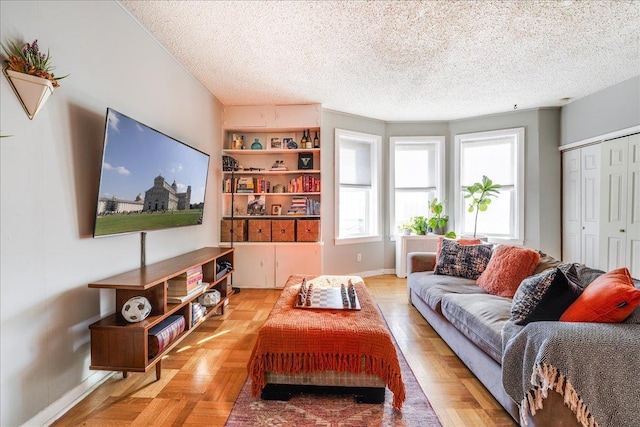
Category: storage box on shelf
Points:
column 117, row 345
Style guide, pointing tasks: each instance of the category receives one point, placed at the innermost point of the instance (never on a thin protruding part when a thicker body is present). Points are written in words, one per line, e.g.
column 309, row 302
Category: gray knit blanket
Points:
column 596, row 367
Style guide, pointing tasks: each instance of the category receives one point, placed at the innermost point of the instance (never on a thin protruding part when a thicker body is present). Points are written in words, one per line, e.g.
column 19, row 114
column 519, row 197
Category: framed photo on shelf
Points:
column 256, row 206
column 276, row 209
column 276, row 143
column 289, row 143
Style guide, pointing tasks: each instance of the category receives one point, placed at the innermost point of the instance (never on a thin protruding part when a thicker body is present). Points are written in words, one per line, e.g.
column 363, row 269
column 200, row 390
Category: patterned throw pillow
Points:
column 468, row 261
column 508, row 267
column 545, row 296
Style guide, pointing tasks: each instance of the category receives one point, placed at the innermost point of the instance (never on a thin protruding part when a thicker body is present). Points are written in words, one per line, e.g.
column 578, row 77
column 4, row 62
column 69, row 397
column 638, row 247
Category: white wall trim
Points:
column 57, row 409
column 370, row 273
column 600, row 138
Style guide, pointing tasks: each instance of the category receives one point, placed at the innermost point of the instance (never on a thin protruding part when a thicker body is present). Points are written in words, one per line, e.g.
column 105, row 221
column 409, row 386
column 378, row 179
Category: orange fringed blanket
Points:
column 294, row 340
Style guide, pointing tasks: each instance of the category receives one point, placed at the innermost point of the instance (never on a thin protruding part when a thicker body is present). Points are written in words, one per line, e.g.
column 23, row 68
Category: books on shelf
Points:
column 198, row 312
column 304, row 184
column 304, row 206
column 244, row 185
column 164, row 333
column 177, row 299
column 183, row 284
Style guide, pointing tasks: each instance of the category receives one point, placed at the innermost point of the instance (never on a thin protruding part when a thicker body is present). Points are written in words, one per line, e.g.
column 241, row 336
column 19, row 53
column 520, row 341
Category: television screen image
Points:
column 148, row 181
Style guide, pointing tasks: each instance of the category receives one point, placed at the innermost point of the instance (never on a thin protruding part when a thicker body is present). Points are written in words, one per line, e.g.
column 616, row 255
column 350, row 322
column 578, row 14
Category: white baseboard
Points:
column 367, row 273
column 61, row 406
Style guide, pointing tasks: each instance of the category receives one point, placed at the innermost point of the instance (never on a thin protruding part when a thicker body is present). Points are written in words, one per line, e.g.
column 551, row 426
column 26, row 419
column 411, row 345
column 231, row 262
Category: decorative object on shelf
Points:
column 256, row 145
column 276, row 209
column 209, row 298
column 30, row 75
column 290, row 143
column 279, row 166
column 237, row 142
column 316, row 141
column 305, row 161
column 136, row 309
column 276, row 143
column 480, row 194
column 278, row 188
column 229, row 164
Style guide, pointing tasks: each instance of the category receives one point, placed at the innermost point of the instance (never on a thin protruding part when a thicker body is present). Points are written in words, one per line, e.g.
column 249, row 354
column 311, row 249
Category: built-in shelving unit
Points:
column 266, row 160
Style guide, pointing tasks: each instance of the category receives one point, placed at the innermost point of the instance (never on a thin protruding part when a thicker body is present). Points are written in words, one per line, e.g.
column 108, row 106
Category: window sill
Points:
column 356, row 240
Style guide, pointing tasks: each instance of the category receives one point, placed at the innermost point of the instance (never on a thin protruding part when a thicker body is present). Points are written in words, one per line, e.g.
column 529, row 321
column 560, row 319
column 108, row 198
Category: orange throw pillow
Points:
column 609, row 299
column 508, row 266
column 459, row 241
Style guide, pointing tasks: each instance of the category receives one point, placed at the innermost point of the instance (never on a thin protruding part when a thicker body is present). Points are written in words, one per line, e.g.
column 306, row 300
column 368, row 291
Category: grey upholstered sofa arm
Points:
column 420, row 261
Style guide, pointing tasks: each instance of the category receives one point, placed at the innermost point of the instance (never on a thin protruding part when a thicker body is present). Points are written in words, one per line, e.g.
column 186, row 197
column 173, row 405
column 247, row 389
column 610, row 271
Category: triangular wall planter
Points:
column 32, row 91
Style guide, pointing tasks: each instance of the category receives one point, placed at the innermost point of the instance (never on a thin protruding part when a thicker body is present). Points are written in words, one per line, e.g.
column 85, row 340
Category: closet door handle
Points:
column 622, row 230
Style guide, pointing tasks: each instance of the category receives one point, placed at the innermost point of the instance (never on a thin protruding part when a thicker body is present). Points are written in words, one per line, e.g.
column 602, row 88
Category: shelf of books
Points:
column 181, row 291
column 271, row 180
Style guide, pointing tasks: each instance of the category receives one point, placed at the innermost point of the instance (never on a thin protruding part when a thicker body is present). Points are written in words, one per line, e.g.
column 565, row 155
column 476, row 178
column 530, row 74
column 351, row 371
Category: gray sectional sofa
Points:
column 471, row 322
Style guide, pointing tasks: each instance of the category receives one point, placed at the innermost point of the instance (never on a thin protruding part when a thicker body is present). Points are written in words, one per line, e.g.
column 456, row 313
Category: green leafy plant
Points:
column 437, row 222
column 28, row 59
column 450, row 235
column 480, row 194
column 406, row 226
column 419, row 225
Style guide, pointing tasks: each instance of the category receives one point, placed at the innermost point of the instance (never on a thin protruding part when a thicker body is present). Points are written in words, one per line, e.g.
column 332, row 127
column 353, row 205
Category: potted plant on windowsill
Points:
column 30, row 74
column 480, row 194
column 438, row 221
column 419, row 225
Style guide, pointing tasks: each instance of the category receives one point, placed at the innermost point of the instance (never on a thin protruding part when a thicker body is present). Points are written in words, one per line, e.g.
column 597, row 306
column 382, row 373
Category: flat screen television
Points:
column 148, row 180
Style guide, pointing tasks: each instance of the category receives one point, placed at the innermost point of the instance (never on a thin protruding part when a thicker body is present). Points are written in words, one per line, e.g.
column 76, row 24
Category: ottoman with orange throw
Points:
column 347, row 350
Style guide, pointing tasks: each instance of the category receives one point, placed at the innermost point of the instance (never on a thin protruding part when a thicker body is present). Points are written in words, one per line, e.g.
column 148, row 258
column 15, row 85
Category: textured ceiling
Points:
column 400, row 61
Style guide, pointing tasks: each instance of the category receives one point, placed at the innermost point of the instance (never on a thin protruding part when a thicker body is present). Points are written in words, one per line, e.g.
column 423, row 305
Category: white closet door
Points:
column 614, row 206
column 590, row 202
column 571, row 207
column 633, row 206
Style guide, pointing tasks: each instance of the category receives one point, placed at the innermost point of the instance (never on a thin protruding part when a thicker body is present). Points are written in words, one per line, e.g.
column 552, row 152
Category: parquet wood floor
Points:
column 202, row 377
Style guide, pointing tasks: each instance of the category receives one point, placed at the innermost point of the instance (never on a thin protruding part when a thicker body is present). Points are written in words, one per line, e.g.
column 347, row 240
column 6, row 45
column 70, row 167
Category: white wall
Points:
column 49, row 176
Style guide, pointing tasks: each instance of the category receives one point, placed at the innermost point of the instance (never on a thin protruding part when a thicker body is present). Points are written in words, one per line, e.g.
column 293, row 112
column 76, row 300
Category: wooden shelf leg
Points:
column 158, row 369
column 125, row 374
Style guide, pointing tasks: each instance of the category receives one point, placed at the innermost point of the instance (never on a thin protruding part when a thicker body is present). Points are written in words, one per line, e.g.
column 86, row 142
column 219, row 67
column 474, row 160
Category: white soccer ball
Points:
column 136, row 309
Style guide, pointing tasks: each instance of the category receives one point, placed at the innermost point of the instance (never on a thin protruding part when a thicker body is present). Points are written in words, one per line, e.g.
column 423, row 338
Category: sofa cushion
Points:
column 508, row 266
column 464, row 242
column 480, row 318
column 545, row 296
column 431, row 287
column 462, row 260
column 610, row 298
column 635, row 315
column 547, row 262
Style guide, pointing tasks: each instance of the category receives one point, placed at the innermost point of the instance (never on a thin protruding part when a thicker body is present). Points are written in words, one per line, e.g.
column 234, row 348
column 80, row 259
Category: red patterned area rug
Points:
column 336, row 410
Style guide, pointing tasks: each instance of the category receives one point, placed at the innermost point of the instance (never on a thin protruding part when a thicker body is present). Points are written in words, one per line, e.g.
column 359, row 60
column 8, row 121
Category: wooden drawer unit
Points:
column 308, row 230
column 259, row 230
column 239, row 230
column 283, row 230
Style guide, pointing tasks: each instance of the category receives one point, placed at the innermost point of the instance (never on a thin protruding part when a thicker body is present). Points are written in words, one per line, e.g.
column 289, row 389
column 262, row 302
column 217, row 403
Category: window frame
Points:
column 441, row 166
column 375, row 203
column 518, row 203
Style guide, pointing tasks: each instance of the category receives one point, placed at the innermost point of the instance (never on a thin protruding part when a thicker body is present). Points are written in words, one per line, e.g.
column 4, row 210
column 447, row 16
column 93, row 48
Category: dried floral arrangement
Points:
column 29, row 60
